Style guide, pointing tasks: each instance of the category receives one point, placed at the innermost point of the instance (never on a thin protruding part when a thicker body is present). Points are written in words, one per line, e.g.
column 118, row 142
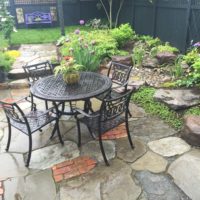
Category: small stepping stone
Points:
column 170, row 146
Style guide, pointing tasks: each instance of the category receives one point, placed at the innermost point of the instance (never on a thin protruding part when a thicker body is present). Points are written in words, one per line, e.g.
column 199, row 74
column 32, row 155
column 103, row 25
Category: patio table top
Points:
column 53, row 88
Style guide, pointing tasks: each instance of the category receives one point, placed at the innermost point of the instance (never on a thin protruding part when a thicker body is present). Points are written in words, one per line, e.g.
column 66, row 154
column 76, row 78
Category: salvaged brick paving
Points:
column 116, row 133
column 73, row 168
column 1, row 190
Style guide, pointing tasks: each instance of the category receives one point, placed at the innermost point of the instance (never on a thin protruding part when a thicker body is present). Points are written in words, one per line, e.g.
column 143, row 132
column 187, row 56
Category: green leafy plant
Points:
column 193, row 111
column 122, row 34
column 6, row 20
column 138, row 55
column 150, row 41
column 191, row 56
column 144, row 97
column 97, row 24
column 5, row 62
column 177, row 70
column 67, row 67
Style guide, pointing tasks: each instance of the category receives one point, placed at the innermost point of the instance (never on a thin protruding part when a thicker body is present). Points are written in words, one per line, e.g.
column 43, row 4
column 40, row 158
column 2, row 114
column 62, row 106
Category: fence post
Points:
column 186, row 34
column 154, row 18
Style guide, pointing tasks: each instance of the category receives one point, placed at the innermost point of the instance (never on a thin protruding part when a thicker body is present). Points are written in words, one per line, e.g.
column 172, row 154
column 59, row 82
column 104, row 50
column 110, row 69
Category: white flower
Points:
column 3, row 19
column 14, row 30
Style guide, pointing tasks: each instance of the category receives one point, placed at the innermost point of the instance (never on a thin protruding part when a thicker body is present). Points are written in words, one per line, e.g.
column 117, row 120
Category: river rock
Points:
column 126, row 60
column 178, row 98
column 186, row 173
column 165, row 57
column 191, row 131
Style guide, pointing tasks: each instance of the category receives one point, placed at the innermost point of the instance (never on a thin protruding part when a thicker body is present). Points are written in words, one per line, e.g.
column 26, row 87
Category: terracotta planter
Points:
column 71, row 78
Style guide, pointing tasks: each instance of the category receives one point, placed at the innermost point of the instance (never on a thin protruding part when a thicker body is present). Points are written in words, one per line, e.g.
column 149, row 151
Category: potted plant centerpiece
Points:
column 69, row 70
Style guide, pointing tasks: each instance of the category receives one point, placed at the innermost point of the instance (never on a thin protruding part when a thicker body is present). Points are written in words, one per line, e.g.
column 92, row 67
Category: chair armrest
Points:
column 79, row 111
column 123, row 85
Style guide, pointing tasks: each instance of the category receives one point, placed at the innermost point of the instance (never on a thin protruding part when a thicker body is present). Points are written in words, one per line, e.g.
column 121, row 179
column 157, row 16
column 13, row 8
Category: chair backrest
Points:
column 112, row 108
column 119, row 73
column 13, row 112
column 37, row 71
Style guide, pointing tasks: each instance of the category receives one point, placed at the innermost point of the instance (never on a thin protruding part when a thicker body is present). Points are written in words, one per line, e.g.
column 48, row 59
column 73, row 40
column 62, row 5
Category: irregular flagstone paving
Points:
column 151, row 162
column 150, row 128
column 159, row 187
column 92, row 149
column 170, row 146
column 38, row 186
column 186, row 173
column 127, row 154
column 12, row 165
column 48, row 156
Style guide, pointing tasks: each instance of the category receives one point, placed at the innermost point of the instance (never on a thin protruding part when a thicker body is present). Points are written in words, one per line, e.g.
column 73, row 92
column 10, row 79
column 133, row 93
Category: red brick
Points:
column 61, row 170
column 71, row 174
column 64, row 164
column 91, row 162
column 89, row 167
column 1, row 191
column 58, row 178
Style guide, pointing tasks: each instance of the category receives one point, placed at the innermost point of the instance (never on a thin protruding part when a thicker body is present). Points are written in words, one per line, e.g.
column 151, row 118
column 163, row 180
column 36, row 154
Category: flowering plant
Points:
column 67, row 66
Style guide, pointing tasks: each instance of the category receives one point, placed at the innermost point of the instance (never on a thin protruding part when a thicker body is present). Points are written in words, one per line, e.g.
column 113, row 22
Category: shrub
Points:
column 5, row 62
column 150, row 41
column 144, row 97
column 191, row 56
column 122, row 34
column 138, row 55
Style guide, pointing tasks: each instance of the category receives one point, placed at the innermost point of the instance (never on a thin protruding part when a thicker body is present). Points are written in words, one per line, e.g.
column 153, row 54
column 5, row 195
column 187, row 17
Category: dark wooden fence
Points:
column 73, row 10
column 175, row 21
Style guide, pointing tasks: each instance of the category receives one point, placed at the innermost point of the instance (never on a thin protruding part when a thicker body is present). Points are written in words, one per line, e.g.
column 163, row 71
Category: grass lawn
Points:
column 38, row 35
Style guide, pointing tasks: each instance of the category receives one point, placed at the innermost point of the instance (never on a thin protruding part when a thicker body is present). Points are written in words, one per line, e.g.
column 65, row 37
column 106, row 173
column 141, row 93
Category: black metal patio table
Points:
column 53, row 88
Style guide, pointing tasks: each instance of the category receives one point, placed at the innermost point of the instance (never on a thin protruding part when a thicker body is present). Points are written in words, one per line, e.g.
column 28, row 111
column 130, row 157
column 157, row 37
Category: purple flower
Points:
column 197, row 44
column 81, row 22
column 77, row 31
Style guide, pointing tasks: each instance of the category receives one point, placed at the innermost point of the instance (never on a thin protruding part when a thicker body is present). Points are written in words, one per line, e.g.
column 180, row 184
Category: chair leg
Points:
column 129, row 136
column 58, row 131
column 53, row 133
column 29, row 151
column 129, row 113
column 79, row 133
column 102, row 150
column 9, row 137
column 46, row 104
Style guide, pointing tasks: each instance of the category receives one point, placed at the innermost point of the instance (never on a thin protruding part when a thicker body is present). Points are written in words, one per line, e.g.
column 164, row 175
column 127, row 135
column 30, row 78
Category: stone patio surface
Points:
column 161, row 167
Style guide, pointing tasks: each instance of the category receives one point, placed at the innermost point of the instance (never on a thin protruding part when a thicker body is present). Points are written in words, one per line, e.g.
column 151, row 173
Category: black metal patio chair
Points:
column 112, row 113
column 29, row 122
column 119, row 74
column 37, row 71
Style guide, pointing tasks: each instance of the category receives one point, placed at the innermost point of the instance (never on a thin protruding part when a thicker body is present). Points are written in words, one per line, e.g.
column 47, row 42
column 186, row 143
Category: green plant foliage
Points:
column 5, row 62
column 163, row 48
column 191, row 56
column 193, row 111
column 122, row 34
column 144, row 97
column 150, row 41
column 169, row 85
column 138, row 55
column 177, row 70
column 97, row 24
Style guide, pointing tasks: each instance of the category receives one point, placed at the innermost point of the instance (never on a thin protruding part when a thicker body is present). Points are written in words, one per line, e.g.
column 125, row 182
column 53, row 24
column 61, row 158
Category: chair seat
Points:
column 93, row 123
column 37, row 120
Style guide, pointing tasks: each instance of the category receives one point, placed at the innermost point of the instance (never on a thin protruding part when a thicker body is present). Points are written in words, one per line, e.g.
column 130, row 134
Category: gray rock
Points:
column 170, row 146
column 186, row 173
column 126, row 60
column 159, row 187
column 151, row 162
column 191, row 131
column 165, row 57
column 48, row 156
column 38, row 186
column 12, row 165
column 136, row 111
column 150, row 63
column 150, row 128
column 178, row 98
column 1, row 134
column 127, row 154
column 92, row 149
